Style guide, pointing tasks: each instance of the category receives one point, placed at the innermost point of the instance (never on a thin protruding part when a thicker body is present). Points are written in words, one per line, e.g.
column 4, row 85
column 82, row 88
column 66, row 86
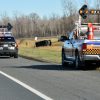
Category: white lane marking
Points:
column 27, row 86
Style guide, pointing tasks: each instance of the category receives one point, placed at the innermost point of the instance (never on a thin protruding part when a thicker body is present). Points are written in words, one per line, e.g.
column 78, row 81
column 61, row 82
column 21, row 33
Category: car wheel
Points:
column 77, row 61
column 16, row 56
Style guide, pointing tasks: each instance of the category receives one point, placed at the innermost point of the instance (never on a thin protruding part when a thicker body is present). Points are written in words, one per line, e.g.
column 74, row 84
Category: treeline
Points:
column 32, row 25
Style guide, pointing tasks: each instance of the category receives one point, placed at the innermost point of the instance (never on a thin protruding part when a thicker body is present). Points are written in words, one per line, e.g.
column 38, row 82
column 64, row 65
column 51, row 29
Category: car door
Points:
column 68, row 47
column 76, row 44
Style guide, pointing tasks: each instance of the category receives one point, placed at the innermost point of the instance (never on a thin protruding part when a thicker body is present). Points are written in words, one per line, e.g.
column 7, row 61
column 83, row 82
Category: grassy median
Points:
column 48, row 53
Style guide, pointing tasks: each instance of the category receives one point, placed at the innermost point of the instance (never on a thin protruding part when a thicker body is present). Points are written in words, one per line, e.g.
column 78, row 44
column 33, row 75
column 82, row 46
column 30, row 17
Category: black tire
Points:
column 77, row 61
column 98, row 64
column 16, row 56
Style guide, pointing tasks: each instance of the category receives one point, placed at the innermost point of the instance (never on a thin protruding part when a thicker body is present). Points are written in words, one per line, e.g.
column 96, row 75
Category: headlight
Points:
column 1, row 48
column 16, row 45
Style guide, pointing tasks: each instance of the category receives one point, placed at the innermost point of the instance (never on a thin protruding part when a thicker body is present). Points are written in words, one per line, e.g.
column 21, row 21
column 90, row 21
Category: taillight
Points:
column 13, row 44
column 84, row 46
column 16, row 45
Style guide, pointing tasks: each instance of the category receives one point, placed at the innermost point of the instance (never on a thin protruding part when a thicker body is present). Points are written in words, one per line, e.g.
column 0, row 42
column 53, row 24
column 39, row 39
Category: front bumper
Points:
column 8, row 52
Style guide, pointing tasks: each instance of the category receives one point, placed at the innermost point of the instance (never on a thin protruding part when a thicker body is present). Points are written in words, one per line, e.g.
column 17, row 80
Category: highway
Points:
column 19, row 78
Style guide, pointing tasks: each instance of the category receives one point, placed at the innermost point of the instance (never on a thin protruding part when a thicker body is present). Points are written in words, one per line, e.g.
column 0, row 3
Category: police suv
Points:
column 8, row 45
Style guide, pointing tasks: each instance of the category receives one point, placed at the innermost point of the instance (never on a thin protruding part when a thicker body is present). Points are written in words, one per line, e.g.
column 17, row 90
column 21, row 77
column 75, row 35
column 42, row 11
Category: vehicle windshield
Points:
column 7, row 39
column 97, row 35
column 83, row 35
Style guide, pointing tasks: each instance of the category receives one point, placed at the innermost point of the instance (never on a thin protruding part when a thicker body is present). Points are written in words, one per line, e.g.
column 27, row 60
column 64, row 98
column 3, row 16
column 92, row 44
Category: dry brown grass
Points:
column 31, row 42
column 50, row 53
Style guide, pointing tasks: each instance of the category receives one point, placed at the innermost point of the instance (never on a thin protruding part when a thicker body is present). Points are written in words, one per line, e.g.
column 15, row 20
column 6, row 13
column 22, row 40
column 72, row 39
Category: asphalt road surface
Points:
column 49, row 79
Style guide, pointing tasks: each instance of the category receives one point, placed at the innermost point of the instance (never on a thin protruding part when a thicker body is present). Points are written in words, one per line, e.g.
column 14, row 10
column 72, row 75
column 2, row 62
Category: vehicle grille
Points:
column 5, row 48
column 91, row 52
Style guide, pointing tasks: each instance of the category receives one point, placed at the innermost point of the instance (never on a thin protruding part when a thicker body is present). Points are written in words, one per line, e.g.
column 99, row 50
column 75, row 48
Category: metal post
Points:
column 98, row 19
column 79, row 25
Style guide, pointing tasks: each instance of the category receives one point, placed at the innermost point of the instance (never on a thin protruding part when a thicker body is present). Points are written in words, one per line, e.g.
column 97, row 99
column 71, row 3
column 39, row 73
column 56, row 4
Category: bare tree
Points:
column 69, row 10
column 34, row 20
column 4, row 18
column 97, row 4
column 69, row 7
column 32, row 25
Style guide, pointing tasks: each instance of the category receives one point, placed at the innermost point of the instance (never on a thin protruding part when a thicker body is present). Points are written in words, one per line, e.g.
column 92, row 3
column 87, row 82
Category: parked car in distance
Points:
column 8, row 46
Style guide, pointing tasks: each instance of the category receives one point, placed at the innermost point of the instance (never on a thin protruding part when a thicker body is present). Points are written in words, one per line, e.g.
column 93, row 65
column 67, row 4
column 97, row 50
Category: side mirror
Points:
column 67, row 38
column 71, row 39
column 63, row 38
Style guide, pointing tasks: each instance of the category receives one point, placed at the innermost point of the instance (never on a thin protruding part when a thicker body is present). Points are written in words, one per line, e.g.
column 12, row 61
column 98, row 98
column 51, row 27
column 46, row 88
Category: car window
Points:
column 71, row 35
column 83, row 35
column 96, row 34
column 7, row 39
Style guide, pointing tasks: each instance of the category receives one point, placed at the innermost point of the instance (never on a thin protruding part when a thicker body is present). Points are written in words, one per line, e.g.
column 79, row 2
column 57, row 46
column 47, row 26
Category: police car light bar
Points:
column 90, row 11
column 92, row 24
column 94, row 11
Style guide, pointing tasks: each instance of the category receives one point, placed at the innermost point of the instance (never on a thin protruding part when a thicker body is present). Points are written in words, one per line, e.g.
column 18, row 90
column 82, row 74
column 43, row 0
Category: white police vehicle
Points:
column 8, row 45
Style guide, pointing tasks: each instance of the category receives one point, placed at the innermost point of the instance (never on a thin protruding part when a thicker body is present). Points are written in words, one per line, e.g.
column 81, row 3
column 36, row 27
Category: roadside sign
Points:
column 83, row 11
column 9, row 26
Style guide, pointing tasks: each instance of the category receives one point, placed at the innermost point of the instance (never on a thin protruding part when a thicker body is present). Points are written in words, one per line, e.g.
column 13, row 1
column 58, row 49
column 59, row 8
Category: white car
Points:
column 78, row 50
